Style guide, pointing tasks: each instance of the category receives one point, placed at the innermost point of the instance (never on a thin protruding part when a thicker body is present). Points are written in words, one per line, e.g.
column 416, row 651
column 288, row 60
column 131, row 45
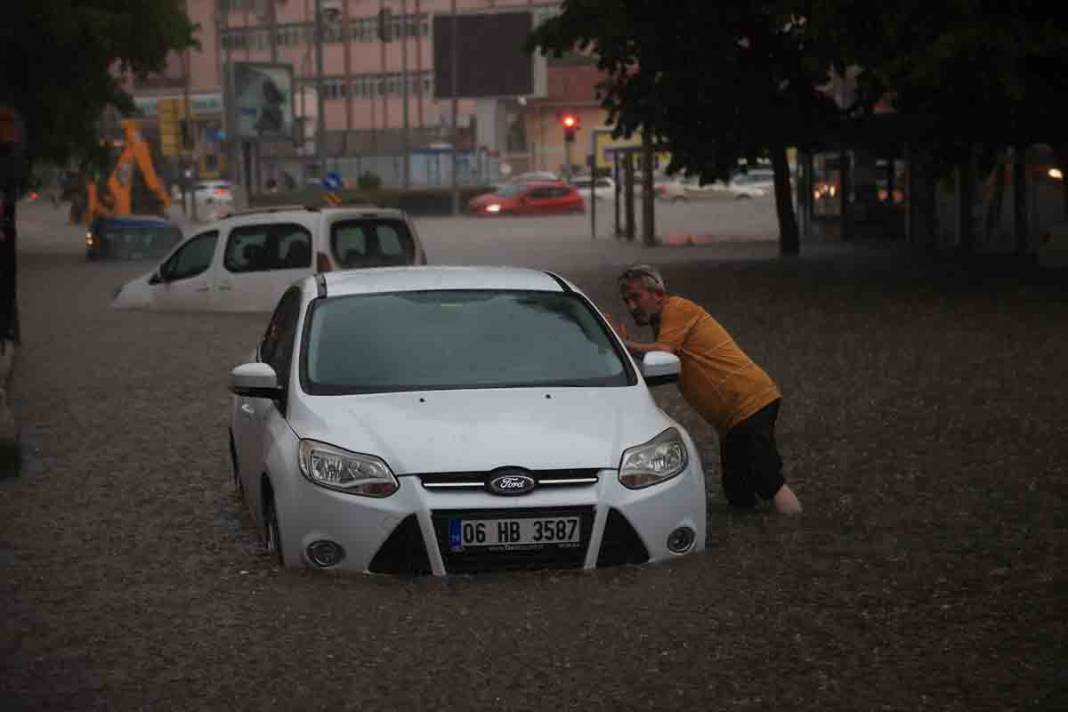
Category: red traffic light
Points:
column 570, row 123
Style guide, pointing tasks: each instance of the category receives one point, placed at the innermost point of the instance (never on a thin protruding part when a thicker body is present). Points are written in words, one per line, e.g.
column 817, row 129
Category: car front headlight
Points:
column 653, row 462
column 337, row 469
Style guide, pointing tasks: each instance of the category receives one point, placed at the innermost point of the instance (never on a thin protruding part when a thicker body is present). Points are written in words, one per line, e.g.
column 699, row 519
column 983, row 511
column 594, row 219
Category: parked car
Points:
column 756, row 183
column 604, row 188
column 456, row 419
column 534, row 198
column 130, row 237
column 245, row 262
column 678, row 189
column 214, row 198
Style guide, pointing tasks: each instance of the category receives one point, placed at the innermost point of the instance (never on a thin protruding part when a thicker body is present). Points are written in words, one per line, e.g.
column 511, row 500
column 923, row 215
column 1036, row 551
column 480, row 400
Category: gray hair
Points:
column 649, row 276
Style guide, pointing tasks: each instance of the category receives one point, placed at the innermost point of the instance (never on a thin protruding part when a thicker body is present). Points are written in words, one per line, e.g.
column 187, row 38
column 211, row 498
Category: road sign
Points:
column 331, row 182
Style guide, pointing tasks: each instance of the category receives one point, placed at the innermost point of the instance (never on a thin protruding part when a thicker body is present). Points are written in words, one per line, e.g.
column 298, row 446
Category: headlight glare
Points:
column 334, row 468
column 653, row 462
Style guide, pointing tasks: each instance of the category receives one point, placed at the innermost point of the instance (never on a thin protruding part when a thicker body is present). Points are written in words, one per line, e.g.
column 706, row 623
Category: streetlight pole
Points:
column 455, row 111
column 405, row 27
column 320, row 118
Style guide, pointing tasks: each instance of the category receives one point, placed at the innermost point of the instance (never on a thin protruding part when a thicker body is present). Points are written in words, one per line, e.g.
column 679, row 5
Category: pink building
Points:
column 363, row 87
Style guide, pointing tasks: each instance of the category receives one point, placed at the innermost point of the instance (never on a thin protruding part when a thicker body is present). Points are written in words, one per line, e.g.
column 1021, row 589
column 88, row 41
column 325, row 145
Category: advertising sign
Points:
column 262, row 100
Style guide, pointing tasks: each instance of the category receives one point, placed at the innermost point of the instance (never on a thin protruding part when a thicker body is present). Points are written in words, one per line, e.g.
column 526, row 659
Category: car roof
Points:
column 418, row 279
column 546, row 184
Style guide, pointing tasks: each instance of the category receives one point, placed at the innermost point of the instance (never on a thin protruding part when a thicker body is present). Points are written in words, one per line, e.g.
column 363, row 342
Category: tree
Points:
column 713, row 82
column 967, row 78
column 61, row 64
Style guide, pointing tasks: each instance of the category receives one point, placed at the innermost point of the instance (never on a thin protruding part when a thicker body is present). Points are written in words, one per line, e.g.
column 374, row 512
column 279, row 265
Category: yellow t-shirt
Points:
column 718, row 380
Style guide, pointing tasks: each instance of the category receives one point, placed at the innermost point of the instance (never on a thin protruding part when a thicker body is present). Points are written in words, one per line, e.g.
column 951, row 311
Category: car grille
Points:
column 461, row 481
column 486, row 560
column 620, row 544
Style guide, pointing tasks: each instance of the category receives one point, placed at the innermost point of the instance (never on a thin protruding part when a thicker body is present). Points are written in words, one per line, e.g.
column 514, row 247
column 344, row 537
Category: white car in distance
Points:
column 455, row 419
column 603, row 188
column 245, row 261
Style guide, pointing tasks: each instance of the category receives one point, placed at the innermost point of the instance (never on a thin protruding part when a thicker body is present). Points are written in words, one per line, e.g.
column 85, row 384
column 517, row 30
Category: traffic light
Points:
column 570, row 123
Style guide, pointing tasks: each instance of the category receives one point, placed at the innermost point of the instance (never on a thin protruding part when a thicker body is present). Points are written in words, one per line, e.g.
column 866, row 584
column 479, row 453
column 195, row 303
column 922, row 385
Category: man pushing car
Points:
column 720, row 382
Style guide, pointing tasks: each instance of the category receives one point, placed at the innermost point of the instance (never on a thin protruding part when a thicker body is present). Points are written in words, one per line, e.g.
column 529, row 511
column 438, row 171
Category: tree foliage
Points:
column 63, row 62
column 714, row 82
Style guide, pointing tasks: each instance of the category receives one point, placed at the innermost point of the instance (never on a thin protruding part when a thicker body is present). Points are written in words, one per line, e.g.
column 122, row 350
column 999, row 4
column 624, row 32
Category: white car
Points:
column 458, row 419
column 245, row 262
column 214, row 199
column 604, row 188
column 757, row 183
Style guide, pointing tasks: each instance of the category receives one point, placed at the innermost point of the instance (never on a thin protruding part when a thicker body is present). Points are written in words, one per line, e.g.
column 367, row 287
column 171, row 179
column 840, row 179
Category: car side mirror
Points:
column 156, row 277
column 660, row 367
column 255, row 380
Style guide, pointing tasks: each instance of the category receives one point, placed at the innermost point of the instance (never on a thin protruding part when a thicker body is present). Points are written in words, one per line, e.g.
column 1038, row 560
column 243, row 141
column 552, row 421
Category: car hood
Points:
column 461, row 431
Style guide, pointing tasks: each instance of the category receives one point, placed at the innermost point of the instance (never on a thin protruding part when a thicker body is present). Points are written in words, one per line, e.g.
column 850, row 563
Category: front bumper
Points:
column 408, row 532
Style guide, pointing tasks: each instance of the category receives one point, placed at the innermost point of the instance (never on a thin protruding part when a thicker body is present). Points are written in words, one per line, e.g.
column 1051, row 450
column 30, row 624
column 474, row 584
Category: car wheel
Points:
column 743, row 196
column 272, row 536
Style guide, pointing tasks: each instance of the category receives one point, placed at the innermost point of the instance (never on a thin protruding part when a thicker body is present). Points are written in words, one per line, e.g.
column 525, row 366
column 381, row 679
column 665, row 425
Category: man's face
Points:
column 642, row 302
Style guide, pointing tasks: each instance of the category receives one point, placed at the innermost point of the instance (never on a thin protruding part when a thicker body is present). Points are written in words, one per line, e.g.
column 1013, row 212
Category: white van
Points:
column 245, row 262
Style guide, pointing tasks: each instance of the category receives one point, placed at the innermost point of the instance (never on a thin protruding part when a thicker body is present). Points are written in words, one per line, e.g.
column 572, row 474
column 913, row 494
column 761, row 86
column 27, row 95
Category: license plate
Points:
column 514, row 533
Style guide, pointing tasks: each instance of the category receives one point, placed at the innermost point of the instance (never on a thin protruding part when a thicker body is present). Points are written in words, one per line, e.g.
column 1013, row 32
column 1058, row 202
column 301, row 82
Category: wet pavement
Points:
column 923, row 430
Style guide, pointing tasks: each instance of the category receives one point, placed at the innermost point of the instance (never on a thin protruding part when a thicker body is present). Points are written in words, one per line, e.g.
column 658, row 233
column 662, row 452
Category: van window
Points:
column 191, row 259
column 261, row 248
column 371, row 243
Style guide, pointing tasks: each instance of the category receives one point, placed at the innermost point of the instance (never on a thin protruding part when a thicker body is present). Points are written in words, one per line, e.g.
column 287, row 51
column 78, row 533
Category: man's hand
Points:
column 619, row 327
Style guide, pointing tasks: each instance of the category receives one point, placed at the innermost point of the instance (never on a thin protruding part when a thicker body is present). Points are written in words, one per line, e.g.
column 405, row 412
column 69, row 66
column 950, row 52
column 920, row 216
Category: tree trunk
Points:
column 965, row 196
column 789, row 240
column 9, row 316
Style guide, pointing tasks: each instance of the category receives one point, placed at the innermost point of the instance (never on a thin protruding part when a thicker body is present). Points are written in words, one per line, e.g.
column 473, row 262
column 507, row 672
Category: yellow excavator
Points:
column 117, row 197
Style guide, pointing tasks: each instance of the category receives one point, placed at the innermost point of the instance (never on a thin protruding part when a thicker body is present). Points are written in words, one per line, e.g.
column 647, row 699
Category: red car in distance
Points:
column 549, row 197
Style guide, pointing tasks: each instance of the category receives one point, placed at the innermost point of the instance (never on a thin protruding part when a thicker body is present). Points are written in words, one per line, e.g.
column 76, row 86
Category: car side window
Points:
column 193, row 258
column 276, row 349
column 262, row 248
column 371, row 243
column 541, row 193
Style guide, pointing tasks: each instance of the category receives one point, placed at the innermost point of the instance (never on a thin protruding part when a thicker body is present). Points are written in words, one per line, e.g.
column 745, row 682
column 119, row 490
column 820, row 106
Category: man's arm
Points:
column 637, row 347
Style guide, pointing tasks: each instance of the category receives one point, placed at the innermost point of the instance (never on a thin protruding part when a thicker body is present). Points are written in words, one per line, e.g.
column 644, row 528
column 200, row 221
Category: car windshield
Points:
column 510, row 190
column 439, row 340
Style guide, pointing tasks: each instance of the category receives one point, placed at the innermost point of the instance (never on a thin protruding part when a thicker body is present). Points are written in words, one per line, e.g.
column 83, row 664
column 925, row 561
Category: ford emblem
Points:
column 511, row 482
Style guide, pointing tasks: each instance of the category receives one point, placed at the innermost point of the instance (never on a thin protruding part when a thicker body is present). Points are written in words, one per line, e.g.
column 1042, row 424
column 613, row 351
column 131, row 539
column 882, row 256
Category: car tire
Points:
column 272, row 534
column 743, row 196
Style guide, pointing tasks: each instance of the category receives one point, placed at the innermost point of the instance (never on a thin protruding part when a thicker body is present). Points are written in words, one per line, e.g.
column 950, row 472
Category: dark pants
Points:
column 751, row 463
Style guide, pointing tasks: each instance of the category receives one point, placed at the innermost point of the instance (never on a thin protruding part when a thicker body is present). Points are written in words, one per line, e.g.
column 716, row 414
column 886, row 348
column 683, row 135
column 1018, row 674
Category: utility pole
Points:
column 405, row 27
column 648, row 205
column 455, row 111
column 320, row 118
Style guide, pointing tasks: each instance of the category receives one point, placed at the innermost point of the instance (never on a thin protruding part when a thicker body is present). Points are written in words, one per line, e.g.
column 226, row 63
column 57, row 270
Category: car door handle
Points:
column 247, row 410
column 203, row 288
column 225, row 286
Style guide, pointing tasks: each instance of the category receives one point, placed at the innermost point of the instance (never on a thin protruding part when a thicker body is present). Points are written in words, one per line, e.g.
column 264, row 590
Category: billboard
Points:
column 261, row 101
column 490, row 59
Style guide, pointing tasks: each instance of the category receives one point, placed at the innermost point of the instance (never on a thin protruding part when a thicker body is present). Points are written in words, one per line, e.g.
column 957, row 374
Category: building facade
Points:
column 376, row 75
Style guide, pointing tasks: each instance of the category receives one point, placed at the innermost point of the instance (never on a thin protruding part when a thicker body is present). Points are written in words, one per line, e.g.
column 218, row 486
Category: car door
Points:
column 538, row 201
column 254, row 415
column 183, row 280
column 259, row 261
